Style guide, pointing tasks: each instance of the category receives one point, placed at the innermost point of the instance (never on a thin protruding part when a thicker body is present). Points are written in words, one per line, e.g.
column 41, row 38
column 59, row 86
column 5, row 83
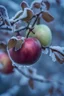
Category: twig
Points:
column 6, row 28
column 36, row 78
column 53, row 50
column 20, row 29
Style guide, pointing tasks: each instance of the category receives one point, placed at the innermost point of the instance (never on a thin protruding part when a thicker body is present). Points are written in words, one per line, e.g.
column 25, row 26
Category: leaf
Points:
column 18, row 44
column 52, row 55
column 47, row 4
column 12, row 42
column 55, row 52
column 15, row 42
column 59, row 58
column 36, row 5
column 27, row 15
column 47, row 17
column 24, row 5
column 31, row 83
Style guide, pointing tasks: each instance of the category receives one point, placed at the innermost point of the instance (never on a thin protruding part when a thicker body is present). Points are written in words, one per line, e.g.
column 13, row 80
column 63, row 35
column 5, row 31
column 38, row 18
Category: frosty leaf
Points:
column 18, row 44
column 55, row 52
column 58, row 53
column 12, row 42
column 26, row 15
column 31, row 83
column 47, row 17
column 24, row 5
column 58, row 48
column 47, row 4
column 52, row 55
column 36, row 5
column 59, row 57
column 15, row 42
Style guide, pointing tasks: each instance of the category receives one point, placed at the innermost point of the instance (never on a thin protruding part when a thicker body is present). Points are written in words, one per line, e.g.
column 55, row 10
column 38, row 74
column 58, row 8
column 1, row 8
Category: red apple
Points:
column 5, row 64
column 29, row 52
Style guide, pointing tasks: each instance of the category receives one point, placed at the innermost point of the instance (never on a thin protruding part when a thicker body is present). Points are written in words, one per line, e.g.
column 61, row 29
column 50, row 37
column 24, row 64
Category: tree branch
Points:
column 37, row 78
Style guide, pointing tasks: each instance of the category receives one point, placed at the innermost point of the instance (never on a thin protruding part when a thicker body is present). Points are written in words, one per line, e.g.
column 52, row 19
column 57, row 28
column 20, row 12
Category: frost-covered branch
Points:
column 36, row 77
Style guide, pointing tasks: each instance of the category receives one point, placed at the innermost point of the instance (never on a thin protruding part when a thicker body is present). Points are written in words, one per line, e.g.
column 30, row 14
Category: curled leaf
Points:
column 15, row 42
column 47, row 17
column 36, row 5
column 47, row 5
column 12, row 42
column 18, row 44
column 55, row 52
column 27, row 15
column 24, row 5
column 59, row 57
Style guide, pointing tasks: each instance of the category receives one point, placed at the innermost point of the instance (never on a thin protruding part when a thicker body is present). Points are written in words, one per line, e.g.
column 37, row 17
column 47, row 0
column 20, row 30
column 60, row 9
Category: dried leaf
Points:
column 47, row 4
column 15, row 42
column 59, row 58
column 24, row 5
column 36, row 5
column 47, row 17
column 12, row 42
column 27, row 14
column 57, row 53
column 31, row 83
column 58, row 48
column 18, row 44
column 52, row 55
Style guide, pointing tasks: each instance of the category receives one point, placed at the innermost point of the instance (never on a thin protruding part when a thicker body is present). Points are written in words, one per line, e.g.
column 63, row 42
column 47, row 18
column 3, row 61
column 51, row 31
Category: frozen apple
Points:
column 42, row 33
column 29, row 52
column 5, row 64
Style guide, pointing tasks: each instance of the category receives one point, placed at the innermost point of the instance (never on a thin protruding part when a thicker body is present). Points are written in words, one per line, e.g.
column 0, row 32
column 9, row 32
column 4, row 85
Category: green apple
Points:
column 42, row 33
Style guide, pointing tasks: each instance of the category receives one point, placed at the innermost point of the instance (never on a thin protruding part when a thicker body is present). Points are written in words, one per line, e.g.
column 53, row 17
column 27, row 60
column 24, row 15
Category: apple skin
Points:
column 42, row 33
column 29, row 52
column 5, row 64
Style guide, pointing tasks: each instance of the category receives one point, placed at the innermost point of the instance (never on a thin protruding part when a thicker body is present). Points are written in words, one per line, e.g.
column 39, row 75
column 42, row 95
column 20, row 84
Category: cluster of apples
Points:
column 31, row 49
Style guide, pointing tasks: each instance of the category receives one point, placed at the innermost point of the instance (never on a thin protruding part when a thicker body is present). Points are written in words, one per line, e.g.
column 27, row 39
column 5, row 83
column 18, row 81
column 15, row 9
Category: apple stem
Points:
column 31, row 29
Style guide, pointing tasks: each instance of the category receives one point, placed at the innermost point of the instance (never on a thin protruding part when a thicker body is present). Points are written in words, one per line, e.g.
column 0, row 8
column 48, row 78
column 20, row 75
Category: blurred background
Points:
column 16, row 84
